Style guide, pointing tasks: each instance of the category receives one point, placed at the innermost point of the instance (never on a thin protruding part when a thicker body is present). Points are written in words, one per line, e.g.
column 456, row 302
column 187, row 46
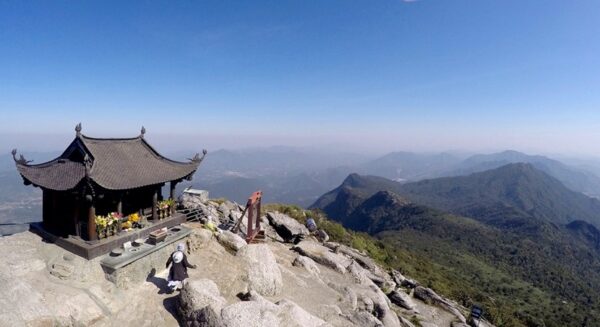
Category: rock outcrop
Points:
column 286, row 226
column 323, row 255
column 402, row 299
column 200, row 304
column 428, row 296
column 263, row 273
column 230, row 240
column 308, row 264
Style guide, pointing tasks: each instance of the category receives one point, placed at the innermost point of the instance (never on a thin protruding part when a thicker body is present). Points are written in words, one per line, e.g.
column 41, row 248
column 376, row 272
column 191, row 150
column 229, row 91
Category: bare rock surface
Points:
column 402, row 299
column 199, row 239
column 231, row 240
column 313, row 285
column 263, row 273
column 308, row 264
column 286, row 226
column 200, row 303
column 260, row 312
column 323, row 255
column 428, row 296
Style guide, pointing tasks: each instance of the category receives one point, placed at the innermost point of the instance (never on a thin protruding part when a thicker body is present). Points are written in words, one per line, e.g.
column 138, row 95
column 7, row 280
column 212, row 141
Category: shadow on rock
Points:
column 170, row 305
column 161, row 283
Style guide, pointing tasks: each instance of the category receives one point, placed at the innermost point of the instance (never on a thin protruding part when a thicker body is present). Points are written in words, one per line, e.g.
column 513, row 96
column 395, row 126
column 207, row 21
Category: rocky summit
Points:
column 273, row 283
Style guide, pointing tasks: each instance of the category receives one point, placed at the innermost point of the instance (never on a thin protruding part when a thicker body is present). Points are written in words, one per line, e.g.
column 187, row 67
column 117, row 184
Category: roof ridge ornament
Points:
column 197, row 157
column 142, row 132
column 21, row 160
column 78, row 129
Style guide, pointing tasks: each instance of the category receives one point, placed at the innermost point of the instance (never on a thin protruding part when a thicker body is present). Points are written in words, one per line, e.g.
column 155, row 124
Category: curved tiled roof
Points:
column 129, row 163
column 58, row 174
column 116, row 164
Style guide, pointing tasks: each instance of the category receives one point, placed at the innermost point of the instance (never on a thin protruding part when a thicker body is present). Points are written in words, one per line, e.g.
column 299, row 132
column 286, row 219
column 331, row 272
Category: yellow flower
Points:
column 134, row 217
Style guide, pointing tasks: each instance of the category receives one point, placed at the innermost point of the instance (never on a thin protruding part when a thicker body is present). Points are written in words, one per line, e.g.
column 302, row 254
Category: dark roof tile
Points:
column 117, row 164
column 58, row 174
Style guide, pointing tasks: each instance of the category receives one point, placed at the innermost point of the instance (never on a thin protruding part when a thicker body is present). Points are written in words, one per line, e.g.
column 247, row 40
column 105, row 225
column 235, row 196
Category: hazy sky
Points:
column 385, row 75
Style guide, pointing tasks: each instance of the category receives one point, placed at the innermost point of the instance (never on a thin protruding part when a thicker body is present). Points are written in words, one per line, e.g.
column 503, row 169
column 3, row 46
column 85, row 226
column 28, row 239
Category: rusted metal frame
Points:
column 253, row 206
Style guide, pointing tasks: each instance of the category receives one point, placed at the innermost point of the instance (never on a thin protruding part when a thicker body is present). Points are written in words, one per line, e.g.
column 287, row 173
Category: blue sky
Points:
column 382, row 75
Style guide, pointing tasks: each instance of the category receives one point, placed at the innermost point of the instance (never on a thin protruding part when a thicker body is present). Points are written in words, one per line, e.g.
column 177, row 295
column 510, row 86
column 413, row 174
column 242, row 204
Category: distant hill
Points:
column 493, row 196
column 576, row 179
column 513, row 190
column 362, row 185
column 301, row 175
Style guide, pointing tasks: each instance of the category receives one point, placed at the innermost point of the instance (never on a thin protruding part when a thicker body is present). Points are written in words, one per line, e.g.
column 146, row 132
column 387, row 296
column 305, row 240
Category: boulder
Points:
column 270, row 231
column 263, row 273
column 397, row 277
column 199, row 239
column 286, row 226
column 250, row 314
column 224, row 209
column 308, row 264
column 376, row 272
column 323, row 255
column 428, row 296
column 402, row 299
column 386, row 285
column 290, row 314
column 200, row 304
column 373, row 300
column 364, row 319
column 409, row 283
column 231, row 241
column 263, row 313
column 192, row 198
column 358, row 272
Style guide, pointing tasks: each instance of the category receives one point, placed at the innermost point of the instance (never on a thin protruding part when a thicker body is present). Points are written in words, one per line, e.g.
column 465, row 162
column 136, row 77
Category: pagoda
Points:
column 98, row 176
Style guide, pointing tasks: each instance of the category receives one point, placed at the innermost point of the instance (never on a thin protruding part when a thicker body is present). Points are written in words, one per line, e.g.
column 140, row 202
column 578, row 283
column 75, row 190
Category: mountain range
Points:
column 515, row 229
column 293, row 176
column 301, row 175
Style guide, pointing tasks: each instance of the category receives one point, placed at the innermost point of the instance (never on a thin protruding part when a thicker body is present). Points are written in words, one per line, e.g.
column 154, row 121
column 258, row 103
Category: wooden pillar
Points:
column 154, row 205
column 120, row 211
column 120, row 204
column 172, row 190
column 93, row 235
column 76, row 217
column 172, row 185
